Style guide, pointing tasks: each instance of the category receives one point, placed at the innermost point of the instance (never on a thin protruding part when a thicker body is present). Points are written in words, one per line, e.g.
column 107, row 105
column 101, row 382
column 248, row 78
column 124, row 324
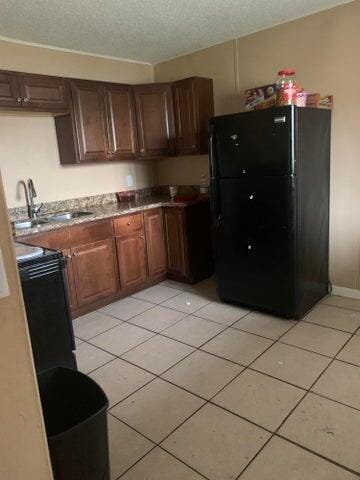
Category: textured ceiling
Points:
column 145, row 30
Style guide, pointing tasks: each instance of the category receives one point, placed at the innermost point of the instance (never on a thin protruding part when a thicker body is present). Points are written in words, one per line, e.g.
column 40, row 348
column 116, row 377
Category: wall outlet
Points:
column 129, row 181
column 4, row 286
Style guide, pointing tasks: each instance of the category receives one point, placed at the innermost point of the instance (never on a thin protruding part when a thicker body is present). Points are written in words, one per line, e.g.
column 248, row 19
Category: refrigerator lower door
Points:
column 254, row 242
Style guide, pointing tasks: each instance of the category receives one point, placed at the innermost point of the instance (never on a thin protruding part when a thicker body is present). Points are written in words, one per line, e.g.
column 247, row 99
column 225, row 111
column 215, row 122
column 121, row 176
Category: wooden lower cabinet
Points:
column 176, row 252
column 155, row 242
column 131, row 255
column 188, row 242
column 95, row 271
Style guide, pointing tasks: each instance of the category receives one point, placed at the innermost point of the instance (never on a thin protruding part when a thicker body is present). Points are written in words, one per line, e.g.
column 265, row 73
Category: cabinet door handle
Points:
column 74, row 254
column 142, row 150
column 18, row 99
column 128, row 223
column 142, row 237
column 68, row 256
column 26, row 99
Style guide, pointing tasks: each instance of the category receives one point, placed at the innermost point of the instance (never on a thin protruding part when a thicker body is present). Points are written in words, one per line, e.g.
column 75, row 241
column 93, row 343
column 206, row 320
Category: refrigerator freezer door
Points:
column 253, row 143
column 254, row 242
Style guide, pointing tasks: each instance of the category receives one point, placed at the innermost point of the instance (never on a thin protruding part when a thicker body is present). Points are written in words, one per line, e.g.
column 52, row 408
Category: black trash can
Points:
column 74, row 409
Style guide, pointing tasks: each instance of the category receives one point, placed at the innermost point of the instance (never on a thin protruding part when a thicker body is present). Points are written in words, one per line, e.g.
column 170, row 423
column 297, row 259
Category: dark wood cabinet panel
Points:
column 121, row 121
column 41, row 92
column 70, row 279
column 90, row 232
column 155, row 242
column 128, row 224
column 194, row 105
column 131, row 254
column 155, row 120
column 176, row 250
column 89, row 117
column 95, row 271
column 9, row 90
column 185, row 117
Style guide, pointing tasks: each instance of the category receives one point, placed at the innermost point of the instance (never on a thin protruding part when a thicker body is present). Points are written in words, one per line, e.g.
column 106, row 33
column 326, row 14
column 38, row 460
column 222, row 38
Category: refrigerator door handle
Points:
column 215, row 203
column 212, row 152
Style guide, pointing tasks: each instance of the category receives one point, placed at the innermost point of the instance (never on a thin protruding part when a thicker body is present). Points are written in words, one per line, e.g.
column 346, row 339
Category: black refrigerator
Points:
column 269, row 187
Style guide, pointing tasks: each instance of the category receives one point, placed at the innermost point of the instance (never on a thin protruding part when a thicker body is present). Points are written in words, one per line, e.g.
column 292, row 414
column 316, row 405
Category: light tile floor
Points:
column 203, row 390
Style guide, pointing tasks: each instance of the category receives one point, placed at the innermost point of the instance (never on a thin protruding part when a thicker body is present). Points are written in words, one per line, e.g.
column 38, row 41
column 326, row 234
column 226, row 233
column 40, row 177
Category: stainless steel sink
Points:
column 31, row 223
column 63, row 216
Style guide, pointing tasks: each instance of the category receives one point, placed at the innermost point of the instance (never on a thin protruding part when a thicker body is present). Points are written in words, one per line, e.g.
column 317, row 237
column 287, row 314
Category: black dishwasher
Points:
column 47, row 308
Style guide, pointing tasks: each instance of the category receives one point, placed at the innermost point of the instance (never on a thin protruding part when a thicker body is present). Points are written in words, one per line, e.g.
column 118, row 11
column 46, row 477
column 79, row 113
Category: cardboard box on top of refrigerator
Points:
column 261, row 97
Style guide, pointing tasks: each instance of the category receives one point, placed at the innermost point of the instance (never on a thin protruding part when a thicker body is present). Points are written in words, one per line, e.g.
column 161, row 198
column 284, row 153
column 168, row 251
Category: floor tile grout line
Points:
column 182, row 461
column 323, row 457
column 329, row 327
column 209, row 401
column 133, row 428
column 357, row 409
column 322, row 302
column 332, row 359
column 135, row 463
column 291, row 412
column 308, row 350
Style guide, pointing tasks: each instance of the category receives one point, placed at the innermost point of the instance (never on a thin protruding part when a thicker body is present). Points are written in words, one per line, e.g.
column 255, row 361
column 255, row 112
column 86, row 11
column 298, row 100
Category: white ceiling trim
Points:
column 68, row 50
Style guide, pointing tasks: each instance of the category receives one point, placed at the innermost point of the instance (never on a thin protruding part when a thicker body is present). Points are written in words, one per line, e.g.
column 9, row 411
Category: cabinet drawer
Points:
column 90, row 232
column 58, row 239
column 128, row 224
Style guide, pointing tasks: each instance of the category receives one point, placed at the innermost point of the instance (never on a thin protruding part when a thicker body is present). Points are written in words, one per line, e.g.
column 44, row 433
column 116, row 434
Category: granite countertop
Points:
column 109, row 210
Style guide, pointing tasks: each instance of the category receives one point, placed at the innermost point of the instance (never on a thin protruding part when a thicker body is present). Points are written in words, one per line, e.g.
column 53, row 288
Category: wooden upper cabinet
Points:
column 155, row 242
column 121, row 121
column 39, row 92
column 89, row 118
column 9, row 90
column 194, row 105
column 155, row 120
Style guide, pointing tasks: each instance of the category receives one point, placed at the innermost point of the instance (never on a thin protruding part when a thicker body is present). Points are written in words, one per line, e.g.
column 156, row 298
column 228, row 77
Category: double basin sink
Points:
column 56, row 217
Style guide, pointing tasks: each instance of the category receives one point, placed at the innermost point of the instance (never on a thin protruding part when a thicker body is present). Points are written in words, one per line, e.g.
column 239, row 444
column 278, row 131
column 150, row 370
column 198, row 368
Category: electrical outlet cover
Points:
column 129, row 181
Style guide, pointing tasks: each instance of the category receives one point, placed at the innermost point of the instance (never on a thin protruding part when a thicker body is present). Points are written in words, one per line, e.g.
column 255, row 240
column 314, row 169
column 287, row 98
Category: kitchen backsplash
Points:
column 98, row 200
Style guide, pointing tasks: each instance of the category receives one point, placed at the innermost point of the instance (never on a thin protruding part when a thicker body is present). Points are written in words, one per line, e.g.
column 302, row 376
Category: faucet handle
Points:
column 36, row 209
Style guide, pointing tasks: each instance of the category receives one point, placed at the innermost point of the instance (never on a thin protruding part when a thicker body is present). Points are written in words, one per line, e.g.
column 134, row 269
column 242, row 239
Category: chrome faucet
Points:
column 30, row 194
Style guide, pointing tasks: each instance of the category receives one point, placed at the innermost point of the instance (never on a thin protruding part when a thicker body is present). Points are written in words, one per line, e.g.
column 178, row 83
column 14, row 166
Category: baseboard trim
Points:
column 346, row 292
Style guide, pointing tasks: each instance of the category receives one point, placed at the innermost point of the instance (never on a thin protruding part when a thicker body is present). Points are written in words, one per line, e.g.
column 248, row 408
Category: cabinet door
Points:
column 155, row 242
column 70, row 279
column 176, row 251
column 9, row 90
column 43, row 93
column 131, row 252
column 95, row 271
column 90, row 121
column 185, row 117
column 121, row 121
column 155, row 120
